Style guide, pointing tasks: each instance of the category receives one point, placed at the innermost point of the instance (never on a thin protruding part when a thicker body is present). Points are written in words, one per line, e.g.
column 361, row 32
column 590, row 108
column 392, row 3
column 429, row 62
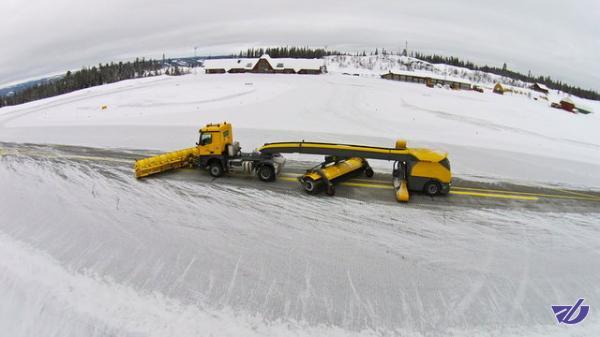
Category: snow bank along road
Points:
column 88, row 250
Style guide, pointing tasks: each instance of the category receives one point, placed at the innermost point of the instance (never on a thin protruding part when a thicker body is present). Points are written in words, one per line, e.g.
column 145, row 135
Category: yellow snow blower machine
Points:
column 216, row 152
column 415, row 169
column 332, row 171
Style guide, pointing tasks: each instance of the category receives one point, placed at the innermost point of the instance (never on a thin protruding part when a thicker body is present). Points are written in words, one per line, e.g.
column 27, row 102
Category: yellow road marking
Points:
column 475, row 194
column 348, row 183
column 377, row 184
column 544, row 195
column 388, row 187
column 494, row 195
column 353, row 179
column 457, row 190
column 288, row 179
column 580, row 194
column 577, row 196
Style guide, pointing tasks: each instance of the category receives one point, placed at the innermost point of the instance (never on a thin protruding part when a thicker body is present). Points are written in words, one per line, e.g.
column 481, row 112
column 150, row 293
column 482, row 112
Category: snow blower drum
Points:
column 332, row 171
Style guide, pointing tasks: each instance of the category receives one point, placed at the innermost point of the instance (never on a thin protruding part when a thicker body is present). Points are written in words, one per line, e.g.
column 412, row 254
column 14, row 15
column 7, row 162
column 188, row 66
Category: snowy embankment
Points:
column 488, row 136
column 87, row 250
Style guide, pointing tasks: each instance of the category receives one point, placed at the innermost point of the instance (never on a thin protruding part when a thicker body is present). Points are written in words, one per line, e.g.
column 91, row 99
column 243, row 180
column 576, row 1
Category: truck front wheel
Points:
column 215, row 169
column 266, row 173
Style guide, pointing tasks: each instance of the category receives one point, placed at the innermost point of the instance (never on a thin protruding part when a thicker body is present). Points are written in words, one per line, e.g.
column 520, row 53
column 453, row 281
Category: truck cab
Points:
column 214, row 139
column 218, row 153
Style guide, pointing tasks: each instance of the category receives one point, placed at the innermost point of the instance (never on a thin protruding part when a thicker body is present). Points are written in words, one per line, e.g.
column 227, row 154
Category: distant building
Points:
column 265, row 65
column 540, row 88
column 426, row 78
column 501, row 89
column 567, row 104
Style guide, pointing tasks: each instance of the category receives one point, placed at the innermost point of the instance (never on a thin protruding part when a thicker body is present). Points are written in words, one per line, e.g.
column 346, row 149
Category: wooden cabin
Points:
column 265, row 65
column 428, row 79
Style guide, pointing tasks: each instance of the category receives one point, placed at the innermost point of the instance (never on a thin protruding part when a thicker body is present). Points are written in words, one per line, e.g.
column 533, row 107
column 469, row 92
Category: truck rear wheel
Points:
column 369, row 172
column 432, row 188
column 266, row 173
column 215, row 169
column 330, row 190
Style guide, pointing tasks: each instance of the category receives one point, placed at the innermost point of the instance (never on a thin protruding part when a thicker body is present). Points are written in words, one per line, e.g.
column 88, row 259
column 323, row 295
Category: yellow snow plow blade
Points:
column 164, row 162
column 402, row 192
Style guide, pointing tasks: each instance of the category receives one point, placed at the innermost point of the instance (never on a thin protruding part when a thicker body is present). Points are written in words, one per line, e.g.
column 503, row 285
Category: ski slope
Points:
column 86, row 250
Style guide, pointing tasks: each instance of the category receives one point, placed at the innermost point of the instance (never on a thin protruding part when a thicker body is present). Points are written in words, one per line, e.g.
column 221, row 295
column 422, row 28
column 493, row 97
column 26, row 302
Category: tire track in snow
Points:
column 61, row 302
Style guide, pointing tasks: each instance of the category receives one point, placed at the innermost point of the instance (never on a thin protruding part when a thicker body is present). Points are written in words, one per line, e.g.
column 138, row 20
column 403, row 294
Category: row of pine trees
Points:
column 114, row 72
column 90, row 77
column 291, row 52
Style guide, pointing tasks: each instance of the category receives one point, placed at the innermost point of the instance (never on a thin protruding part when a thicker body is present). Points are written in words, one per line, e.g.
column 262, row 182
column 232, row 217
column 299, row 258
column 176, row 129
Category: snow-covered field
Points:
column 86, row 250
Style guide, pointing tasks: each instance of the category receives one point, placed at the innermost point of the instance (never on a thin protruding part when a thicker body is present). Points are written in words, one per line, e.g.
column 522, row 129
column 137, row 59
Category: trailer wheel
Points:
column 215, row 169
column 266, row 173
column 330, row 190
column 432, row 188
column 369, row 172
column 309, row 185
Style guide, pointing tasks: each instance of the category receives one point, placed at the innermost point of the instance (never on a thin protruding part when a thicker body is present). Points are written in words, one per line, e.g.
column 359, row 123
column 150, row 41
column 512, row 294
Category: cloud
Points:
column 551, row 37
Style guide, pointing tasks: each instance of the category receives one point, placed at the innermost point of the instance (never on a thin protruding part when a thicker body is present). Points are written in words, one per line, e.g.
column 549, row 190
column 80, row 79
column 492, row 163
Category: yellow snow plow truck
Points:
column 415, row 169
column 216, row 152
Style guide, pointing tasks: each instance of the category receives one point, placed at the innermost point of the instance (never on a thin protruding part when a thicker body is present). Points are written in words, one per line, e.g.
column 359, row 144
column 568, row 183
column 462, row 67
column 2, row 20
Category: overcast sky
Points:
column 556, row 38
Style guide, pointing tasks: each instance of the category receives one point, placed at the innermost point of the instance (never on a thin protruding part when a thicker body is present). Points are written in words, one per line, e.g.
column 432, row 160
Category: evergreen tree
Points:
column 84, row 78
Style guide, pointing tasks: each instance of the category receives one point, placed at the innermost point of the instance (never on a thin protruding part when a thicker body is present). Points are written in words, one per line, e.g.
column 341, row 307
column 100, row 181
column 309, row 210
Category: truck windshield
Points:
column 205, row 138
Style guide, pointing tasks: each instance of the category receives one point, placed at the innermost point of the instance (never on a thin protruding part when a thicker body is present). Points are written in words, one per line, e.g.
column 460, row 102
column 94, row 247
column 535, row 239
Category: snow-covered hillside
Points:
column 376, row 65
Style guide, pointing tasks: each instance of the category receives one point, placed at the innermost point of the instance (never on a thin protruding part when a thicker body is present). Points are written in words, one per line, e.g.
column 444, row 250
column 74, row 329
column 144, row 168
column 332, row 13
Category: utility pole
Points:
column 195, row 49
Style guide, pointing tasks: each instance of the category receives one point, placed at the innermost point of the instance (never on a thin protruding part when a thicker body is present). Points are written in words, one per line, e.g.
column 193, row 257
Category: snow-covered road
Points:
column 87, row 250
